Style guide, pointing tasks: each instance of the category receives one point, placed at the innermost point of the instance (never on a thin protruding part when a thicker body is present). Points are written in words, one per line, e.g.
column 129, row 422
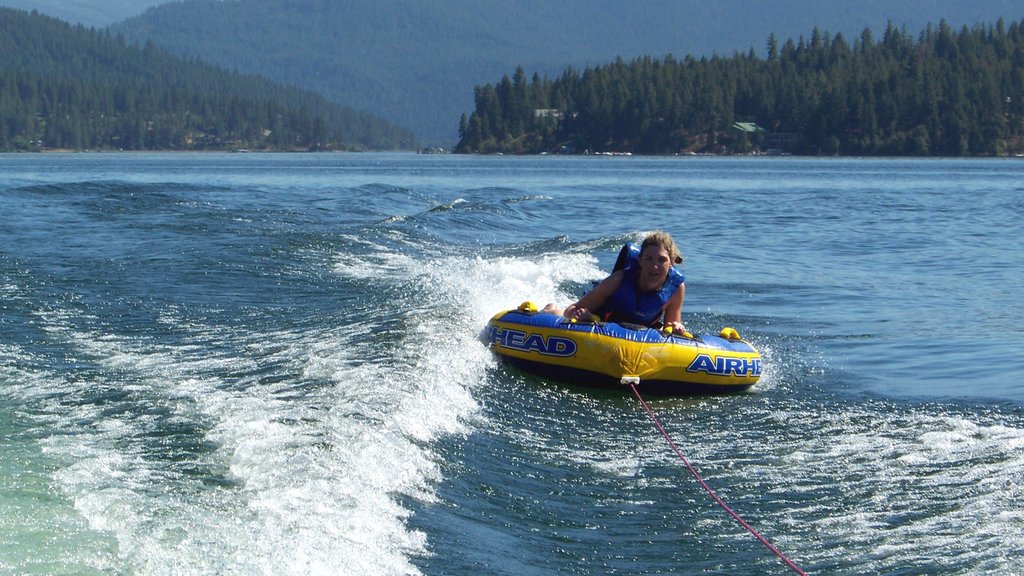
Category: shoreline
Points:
column 72, row 151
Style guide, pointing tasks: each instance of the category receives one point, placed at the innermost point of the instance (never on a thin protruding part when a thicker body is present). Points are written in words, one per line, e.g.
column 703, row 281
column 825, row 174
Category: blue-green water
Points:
column 270, row 364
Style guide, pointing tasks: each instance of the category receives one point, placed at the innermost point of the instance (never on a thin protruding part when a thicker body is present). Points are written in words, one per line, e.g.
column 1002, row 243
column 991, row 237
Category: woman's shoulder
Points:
column 675, row 277
column 611, row 282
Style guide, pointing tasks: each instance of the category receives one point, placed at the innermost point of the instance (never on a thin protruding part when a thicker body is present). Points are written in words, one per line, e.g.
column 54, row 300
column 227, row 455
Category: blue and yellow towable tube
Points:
column 611, row 354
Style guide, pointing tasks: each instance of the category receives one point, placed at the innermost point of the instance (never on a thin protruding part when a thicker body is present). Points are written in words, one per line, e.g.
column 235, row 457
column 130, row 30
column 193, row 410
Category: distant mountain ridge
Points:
column 417, row 63
column 94, row 13
column 71, row 87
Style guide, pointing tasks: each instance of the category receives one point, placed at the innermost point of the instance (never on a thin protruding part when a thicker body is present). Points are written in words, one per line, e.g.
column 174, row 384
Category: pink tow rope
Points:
column 769, row 545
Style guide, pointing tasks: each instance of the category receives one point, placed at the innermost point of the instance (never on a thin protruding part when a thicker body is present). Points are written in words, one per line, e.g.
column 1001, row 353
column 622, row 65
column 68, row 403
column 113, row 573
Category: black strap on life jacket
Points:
column 628, row 252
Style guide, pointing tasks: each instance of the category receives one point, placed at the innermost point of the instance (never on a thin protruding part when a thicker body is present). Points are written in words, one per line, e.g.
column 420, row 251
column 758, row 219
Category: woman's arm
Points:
column 595, row 298
column 674, row 309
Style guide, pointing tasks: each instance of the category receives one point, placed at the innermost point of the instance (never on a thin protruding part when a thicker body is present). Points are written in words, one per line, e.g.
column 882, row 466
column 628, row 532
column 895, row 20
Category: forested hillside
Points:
column 64, row 86
column 946, row 92
column 417, row 62
column 96, row 13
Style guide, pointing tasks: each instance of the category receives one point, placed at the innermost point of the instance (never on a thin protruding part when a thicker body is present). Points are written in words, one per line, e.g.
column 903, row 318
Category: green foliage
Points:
column 947, row 93
column 416, row 62
column 64, row 86
column 96, row 13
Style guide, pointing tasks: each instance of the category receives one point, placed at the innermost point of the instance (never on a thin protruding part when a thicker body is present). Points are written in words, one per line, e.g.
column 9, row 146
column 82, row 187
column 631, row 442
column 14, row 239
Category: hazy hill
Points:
column 64, row 86
column 417, row 63
column 96, row 13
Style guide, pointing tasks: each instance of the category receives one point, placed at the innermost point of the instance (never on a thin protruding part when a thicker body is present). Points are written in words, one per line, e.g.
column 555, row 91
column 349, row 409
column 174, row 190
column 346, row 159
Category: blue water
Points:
column 270, row 364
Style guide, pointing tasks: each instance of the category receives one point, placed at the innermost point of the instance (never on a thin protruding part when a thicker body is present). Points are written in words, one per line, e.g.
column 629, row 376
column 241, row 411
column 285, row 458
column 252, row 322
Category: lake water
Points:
column 270, row 364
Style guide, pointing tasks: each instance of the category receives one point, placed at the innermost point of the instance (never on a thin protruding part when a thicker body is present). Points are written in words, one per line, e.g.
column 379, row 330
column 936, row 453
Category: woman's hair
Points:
column 664, row 240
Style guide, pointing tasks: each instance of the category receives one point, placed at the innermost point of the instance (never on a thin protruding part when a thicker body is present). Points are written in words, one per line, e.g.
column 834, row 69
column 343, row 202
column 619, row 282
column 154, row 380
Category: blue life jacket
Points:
column 626, row 304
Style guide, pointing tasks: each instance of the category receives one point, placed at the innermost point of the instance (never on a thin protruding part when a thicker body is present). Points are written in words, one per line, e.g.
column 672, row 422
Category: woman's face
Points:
column 655, row 262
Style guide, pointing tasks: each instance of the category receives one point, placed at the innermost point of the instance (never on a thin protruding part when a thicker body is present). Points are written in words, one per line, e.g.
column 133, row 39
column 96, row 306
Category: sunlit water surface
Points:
column 242, row 364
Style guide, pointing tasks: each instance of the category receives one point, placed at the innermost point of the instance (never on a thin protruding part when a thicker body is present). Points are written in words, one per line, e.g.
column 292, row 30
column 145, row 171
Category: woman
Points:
column 647, row 291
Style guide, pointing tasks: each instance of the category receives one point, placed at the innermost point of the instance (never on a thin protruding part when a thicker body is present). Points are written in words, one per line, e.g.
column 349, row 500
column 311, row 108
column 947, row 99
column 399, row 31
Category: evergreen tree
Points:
column 947, row 93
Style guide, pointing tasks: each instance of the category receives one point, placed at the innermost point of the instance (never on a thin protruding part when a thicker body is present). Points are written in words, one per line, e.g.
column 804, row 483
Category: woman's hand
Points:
column 675, row 328
column 578, row 313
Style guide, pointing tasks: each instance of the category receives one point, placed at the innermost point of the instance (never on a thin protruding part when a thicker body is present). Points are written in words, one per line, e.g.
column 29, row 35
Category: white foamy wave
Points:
column 369, row 260
column 489, row 286
column 889, row 464
column 457, row 295
column 372, row 267
column 49, row 531
column 308, row 486
column 449, row 205
column 889, row 491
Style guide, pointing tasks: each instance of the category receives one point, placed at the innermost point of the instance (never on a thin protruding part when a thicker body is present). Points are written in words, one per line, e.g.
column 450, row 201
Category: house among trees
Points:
column 547, row 113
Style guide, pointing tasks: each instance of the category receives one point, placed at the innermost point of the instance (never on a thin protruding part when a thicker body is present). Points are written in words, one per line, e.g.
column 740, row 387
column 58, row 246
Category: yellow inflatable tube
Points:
column 612, row 354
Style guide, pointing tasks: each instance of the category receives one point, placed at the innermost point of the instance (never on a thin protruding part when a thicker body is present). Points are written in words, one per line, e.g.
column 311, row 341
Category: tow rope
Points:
column 632, row 382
